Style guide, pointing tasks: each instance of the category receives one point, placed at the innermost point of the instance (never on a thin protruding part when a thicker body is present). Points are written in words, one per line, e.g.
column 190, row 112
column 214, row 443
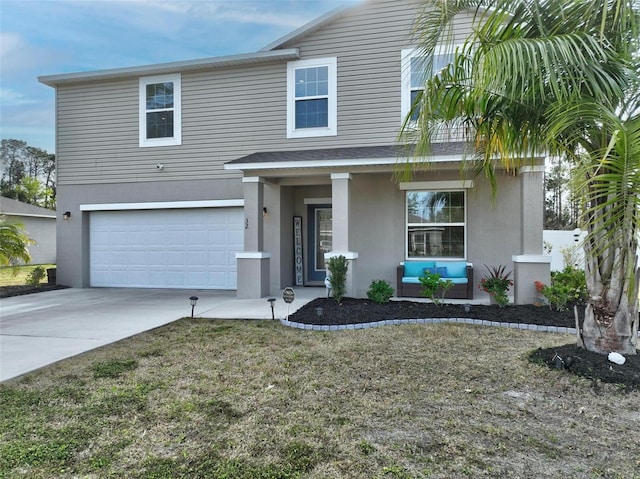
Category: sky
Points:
column 51, row 37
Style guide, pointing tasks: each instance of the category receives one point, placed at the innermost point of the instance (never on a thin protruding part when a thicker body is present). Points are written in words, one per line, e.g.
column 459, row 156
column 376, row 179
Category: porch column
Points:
column 253, row 263
column 531, row 265
column 341, row 213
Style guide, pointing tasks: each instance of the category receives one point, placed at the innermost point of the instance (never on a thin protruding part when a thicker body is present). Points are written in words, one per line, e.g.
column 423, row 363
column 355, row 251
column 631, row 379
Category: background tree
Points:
column 12, row 153
column 560, row 205
column 23, row 166
column 13, row 243
column 552, row 77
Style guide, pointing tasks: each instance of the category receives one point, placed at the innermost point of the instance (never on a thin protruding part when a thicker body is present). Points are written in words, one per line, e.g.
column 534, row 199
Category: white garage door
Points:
column 178, row 248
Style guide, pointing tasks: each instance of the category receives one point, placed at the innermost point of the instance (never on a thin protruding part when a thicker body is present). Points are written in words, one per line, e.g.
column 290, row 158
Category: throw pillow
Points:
column 442, row 271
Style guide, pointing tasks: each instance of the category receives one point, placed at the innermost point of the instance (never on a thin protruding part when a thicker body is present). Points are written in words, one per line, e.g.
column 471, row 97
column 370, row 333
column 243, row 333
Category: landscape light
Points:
column 272, row 300
column 193, row 300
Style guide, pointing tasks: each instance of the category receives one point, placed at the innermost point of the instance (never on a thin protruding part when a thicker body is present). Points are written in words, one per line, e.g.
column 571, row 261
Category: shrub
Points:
column 37, row 274
column 380, row 291
column 432, row 284
column 568, row 286
column 337, row 266
column 497, row 283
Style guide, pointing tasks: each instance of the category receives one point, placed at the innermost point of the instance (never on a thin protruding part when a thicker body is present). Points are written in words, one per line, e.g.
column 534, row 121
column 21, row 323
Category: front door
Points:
column 320, row 240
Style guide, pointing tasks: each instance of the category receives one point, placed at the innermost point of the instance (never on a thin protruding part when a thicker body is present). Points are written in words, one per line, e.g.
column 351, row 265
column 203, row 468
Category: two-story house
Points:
column 241, row 172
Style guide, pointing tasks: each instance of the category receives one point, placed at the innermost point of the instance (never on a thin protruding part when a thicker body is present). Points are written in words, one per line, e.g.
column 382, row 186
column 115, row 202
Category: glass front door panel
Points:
column 323, row 236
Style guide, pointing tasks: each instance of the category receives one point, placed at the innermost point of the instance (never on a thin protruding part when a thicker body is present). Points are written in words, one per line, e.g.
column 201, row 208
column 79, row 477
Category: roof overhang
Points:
column 173, row 67
column 375, row 156
column 280, row 165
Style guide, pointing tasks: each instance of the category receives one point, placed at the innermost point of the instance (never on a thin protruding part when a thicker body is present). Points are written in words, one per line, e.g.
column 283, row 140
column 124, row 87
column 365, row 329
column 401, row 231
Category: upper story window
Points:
column 160, row 110
column 414, row 75
column 311, row 98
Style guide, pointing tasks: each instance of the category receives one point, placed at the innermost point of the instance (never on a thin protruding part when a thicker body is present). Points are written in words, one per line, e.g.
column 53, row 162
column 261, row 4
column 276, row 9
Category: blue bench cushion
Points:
column 416, row 268
column 455, row 269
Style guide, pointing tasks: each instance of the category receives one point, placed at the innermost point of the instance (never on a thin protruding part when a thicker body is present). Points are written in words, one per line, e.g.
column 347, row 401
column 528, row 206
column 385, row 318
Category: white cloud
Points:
column 10, row 97
column 9, row 43
column 14, row 53
column 247, row 12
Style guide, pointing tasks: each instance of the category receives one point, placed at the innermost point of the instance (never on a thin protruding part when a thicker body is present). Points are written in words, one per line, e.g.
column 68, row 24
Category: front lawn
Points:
column 253, row 399
column 17, row 275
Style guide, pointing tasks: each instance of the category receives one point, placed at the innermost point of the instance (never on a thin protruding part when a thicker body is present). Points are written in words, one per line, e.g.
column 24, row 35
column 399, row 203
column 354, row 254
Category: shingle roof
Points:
column 346, row 154
column 12, row 207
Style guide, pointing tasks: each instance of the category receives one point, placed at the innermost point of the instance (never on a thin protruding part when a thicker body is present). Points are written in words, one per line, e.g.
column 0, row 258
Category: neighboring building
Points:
column 39, row 224
column 196, row 174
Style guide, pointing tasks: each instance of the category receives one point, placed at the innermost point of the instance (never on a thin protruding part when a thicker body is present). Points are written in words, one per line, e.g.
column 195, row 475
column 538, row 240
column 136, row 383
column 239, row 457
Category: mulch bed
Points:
column 572, row 359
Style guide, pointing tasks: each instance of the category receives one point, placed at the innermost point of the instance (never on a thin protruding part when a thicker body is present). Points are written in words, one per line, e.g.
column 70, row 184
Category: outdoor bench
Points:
column 459, row 272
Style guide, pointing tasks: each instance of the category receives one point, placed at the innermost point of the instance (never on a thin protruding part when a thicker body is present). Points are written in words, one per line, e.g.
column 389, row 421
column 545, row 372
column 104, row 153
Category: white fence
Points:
column 565, row 246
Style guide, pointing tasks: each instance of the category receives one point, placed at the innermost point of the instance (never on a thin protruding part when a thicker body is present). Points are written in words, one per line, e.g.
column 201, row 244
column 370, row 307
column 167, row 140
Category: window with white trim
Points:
column 160, row 110
column 436, row 224
column 414, row 75
column 311, row 98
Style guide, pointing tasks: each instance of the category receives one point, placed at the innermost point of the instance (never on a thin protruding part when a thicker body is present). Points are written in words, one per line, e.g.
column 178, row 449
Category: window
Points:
column 414, row 76
column 311, row 98
column 436, row 224
column 160, row 111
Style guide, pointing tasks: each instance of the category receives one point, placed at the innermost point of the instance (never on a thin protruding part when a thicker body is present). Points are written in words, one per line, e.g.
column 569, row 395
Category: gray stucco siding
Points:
column 379, row 229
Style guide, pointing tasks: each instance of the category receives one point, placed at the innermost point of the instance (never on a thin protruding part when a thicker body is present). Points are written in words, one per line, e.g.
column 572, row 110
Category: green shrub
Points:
column 432, row 284
column 568, row 286
column 496, row 283
column 380, row 291
column 37, row 274
column 337, row 266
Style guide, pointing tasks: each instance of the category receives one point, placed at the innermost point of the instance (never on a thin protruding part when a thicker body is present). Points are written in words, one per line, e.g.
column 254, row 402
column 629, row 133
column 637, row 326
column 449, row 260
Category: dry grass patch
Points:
column 252, row 399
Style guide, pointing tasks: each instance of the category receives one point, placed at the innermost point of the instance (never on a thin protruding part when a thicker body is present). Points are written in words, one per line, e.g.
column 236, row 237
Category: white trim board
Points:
column 437, row 185
column 162, row 205
column 275, row 165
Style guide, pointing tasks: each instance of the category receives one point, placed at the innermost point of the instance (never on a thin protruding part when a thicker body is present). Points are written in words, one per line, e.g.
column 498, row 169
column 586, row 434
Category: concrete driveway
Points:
column 40, row 329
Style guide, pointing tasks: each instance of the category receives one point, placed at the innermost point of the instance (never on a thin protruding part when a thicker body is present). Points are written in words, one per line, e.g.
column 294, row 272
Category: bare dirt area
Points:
column 566, row 357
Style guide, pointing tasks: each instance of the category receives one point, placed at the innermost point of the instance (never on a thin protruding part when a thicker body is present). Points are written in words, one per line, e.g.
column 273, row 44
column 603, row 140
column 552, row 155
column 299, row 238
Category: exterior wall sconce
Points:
column 193, row 300
column 66, row 215
column 264, row 212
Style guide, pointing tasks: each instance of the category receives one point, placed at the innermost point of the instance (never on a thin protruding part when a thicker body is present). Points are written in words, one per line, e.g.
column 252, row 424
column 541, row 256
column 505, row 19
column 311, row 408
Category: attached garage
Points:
column 166, row 248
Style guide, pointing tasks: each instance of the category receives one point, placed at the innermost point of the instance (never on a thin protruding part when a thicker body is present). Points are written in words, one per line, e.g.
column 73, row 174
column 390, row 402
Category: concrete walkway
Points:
column 40, row 329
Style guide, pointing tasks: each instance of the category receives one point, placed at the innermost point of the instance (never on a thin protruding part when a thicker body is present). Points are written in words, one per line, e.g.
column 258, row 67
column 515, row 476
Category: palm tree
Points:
column 13, row 243
column 552, row 77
